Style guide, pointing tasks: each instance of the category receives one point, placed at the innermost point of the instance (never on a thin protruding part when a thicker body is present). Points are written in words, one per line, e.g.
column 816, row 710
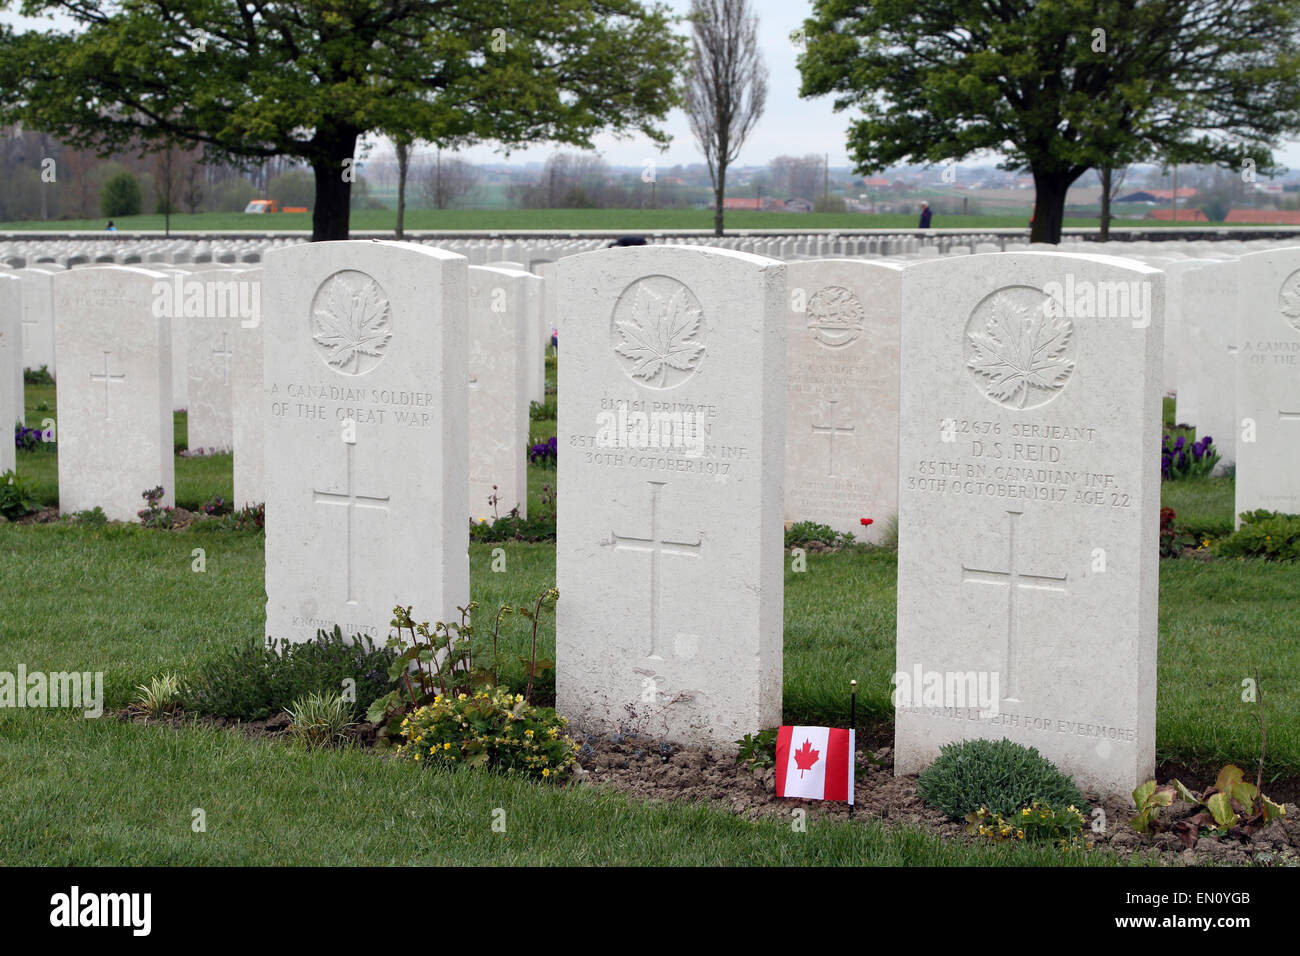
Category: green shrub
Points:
column 999, row 776
column 491, row 728
column 16, row 498
column 1036, row 822
column 255, row 681
column 121, row 196
column 805, row 532
column 543, row 411
column 320, row 720
column 1263, row 534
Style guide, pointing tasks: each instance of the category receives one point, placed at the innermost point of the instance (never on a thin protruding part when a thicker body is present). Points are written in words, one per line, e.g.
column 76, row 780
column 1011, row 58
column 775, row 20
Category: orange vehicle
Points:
column 270, row 205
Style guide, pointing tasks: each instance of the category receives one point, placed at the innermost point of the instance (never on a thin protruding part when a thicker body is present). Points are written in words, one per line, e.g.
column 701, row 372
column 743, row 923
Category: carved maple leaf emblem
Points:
column 660, row 335
column 351, row 320
column 805, row 757
column 1289, row 300
column 1021, row 349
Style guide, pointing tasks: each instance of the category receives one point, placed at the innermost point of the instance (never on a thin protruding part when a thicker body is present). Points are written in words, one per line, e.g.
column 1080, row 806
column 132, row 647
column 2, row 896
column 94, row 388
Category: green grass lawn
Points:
column 559, row 220
column 127, row 601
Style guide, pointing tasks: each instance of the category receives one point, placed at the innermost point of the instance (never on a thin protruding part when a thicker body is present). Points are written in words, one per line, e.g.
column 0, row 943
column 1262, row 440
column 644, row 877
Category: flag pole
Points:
column 853, row 735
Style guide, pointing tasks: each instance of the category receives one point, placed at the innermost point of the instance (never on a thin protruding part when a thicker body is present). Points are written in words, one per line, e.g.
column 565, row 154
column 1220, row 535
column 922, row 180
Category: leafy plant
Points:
column 1036, row 822
column 16, row 498
column 489, row 728
column 1263, row 534
column 545, row 453
column 805, row 532
column 257, row 680
column 153, row 516
column 1231, row 804
column 546, row 411
column 1179, row 460
column 997, row 775
column 758, row 750
column 439, row 661
column 512, row 527
column 162, row 695
column 29, row 439
column 1172, row 541
column 320, row 720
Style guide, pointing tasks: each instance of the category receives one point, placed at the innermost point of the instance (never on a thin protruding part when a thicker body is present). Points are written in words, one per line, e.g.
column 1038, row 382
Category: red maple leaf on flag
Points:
column 805, row 757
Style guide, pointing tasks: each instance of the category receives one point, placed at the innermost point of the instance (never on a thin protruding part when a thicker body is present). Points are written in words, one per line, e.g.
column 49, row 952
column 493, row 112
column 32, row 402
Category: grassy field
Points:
column 560, row 220
column 127, row 601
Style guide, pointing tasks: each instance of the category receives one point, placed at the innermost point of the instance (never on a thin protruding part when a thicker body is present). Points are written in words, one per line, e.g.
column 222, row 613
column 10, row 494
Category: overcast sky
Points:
column 789, row 126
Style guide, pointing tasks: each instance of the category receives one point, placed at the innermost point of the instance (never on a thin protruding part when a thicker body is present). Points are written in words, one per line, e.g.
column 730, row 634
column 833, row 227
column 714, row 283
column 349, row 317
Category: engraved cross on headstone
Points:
column 108, row 380
column 829, row 430
column 656, row 546
column 351, row 501
column 1013, row 579
column 227, row 352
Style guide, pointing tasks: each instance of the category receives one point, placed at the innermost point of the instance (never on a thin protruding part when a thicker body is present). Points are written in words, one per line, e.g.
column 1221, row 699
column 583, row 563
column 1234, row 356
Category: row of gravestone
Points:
column 125, row 336
column 1027, row 479
column 829, row 391
column 696, row 383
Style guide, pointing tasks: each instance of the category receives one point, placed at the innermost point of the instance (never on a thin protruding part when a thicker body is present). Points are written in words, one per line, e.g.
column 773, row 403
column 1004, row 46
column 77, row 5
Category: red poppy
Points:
column 865, row 521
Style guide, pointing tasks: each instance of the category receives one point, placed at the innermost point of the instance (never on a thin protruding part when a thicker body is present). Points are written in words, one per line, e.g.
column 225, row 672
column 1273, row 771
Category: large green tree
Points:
column 250, row 79
column 1059, row 87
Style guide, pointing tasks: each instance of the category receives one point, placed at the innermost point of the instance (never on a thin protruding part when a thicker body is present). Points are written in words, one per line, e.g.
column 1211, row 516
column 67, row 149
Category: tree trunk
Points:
column 403, row 161
column 1105, row 204
column 1049, row 206
column 330, row 218
column 719, row 192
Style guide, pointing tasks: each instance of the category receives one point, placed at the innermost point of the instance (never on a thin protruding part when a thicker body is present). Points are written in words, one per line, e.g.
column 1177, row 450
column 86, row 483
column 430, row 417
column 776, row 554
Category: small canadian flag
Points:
column 815, row 763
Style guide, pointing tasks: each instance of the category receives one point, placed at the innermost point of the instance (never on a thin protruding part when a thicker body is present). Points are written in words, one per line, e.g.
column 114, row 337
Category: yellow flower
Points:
column 446, row 746
column 546, row 771
column 462, row 697
column 528, row 733
column 417, row 756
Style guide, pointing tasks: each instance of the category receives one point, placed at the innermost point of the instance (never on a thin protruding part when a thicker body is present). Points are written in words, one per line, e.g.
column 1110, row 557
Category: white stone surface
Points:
column 499, row 340
column 1268, row 381
column 363, row 518
column 1207, row 349
column 11, row 367
column 115, row 430
column 1029, row 474
column 249, row 405
column 38, row 318
column 842, row 394
column 213, row 305
column 669, row 552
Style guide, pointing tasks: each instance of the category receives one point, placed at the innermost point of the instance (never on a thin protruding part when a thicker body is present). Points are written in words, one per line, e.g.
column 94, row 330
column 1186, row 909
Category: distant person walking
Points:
column 110, row 227
column 925, row 216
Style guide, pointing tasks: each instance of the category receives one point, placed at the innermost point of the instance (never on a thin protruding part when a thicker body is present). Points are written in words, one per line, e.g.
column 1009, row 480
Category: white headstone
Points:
column 115, row 427
column 11, row 368
column 1207, row 348
column 38, row 318
column 367, row 496
column 841, row 459
column 249, row 404
column 499, row 340
column 1029, row 473
column 215, row 304
column 1268, row 381
column 672, row 446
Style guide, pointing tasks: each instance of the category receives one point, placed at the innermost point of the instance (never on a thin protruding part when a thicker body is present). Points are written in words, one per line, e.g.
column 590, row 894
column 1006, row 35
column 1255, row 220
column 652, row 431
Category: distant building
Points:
column 876, row 182
column 798, row 205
